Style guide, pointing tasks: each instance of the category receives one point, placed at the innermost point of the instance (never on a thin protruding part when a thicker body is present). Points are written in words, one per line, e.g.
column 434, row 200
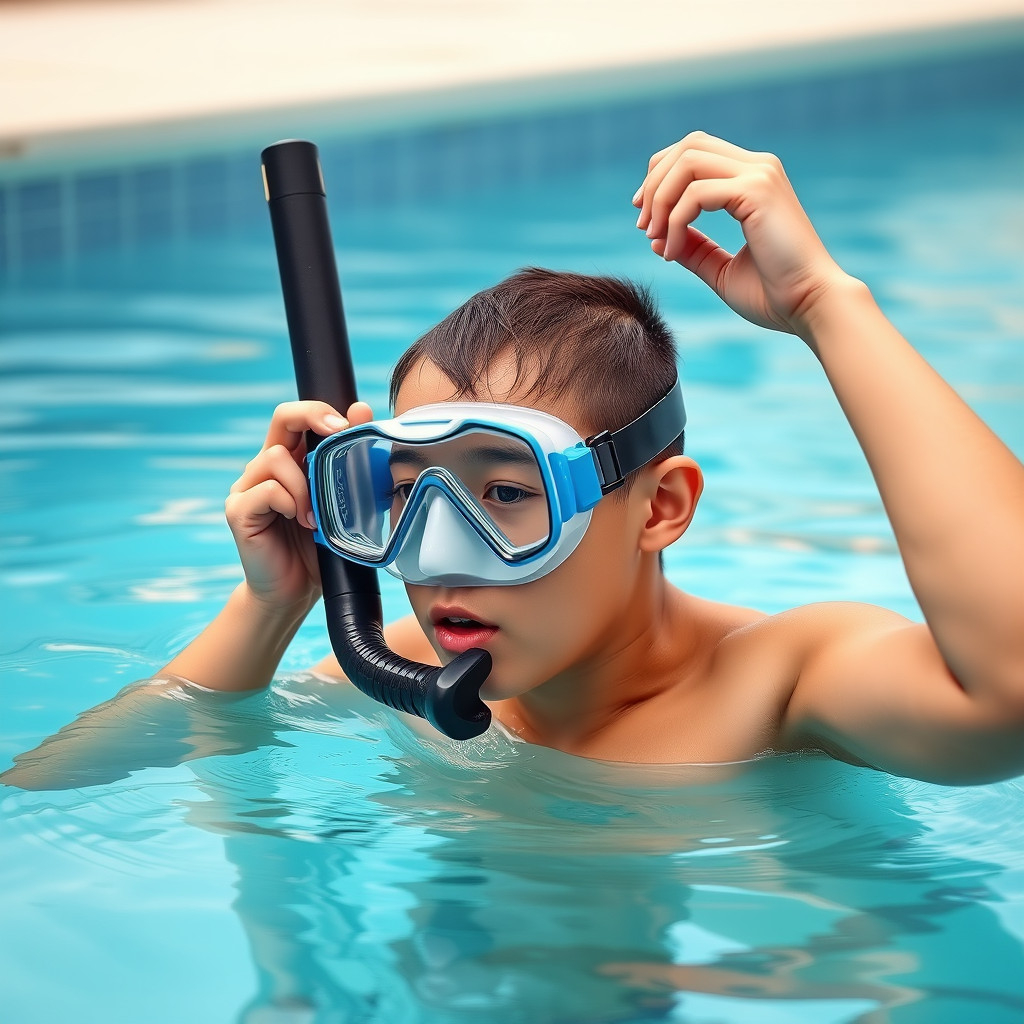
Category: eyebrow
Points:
column 509, row 454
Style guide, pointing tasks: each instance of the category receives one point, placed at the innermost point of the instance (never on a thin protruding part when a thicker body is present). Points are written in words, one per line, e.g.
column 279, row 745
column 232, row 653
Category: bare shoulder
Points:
column 776, row 648
column 770, row 653
column 803, row 628
column 404, row 636
column 716, row 618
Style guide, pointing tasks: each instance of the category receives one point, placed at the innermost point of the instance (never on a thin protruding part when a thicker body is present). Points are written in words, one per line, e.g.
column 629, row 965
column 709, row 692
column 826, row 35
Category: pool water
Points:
column 299, row 854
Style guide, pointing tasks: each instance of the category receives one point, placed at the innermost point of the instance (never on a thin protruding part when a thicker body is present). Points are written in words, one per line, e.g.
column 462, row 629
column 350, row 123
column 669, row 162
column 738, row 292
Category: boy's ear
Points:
column 673, row 489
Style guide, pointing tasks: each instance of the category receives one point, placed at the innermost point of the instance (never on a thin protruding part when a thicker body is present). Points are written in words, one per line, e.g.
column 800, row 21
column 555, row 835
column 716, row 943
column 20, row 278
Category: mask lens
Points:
column 493, row 477
column 355, row 496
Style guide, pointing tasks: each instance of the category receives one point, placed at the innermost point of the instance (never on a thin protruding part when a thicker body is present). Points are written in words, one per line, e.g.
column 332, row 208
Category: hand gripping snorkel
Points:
column 449, row 697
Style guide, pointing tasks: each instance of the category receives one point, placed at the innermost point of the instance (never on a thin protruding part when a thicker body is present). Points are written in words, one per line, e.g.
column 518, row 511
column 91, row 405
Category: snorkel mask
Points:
column 464, row 494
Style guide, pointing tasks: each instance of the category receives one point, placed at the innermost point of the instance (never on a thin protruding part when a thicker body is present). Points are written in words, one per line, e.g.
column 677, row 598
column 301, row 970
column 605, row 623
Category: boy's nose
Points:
column 449, row 546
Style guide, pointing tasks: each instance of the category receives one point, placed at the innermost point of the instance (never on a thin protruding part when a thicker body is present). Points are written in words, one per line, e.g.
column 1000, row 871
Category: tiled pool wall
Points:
column 62, row 217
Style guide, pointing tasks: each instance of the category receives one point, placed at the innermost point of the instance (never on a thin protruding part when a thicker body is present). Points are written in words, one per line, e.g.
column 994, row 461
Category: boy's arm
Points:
column 946, row 700
column 270, row 516
column 242, row 647
column 268, row 511
column 165, row 722
column 158, row 723
column 943, row 701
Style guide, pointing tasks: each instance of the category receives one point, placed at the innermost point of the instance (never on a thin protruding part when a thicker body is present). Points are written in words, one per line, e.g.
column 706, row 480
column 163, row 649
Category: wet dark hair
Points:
column 596, row 343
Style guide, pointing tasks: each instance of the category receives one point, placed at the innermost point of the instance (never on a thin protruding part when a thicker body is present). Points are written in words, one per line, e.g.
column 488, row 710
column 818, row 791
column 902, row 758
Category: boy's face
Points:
column 559, row 622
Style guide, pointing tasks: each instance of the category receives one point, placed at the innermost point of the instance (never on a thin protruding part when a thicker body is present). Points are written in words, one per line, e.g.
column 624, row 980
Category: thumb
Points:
column 702, row 256
column 359, row 413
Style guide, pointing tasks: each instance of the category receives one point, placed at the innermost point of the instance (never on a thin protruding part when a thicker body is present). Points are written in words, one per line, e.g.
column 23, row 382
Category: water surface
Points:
column 300, row 854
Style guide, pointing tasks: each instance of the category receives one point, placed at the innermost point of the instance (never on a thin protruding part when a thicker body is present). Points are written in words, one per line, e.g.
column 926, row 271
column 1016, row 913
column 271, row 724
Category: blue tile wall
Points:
column 242, row 181
column 154, row 201
column 205, row 196
column 98, row 212
column 5, row 235
column 65, row 218
column 40, row 224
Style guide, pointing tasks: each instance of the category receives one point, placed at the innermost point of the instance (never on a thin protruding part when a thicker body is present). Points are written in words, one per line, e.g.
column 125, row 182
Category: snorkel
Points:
column 449, row 697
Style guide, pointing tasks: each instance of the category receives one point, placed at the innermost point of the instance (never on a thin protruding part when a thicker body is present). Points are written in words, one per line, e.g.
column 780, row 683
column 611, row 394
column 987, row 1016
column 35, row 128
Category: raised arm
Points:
column 945, row 701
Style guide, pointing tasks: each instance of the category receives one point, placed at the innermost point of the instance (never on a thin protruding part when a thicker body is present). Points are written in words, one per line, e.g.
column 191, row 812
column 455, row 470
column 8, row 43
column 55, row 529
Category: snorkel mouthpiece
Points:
column 449, row 697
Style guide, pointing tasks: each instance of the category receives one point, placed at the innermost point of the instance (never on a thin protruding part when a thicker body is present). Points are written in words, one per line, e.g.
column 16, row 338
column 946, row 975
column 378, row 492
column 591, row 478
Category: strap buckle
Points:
column 609, row 470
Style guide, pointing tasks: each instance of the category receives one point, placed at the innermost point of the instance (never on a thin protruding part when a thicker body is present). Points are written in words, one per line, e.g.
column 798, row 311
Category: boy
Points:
column 601, row 656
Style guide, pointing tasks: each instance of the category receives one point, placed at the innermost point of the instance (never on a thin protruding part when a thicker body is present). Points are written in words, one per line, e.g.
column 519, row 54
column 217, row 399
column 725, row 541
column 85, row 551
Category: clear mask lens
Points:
column 372, row 485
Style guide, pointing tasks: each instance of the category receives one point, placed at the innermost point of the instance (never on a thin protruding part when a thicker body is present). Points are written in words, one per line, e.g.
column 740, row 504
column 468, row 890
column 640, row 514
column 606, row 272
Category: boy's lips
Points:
column 457, row 629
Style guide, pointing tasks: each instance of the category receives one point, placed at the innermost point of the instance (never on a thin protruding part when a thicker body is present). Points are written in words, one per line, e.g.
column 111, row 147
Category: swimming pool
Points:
column 313, row 861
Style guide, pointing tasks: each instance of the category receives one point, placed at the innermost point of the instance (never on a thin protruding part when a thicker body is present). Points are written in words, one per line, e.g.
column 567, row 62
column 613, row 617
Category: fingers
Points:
column 275, row 480
column 782, row 262
column 359, row 413
column 674, row 197
column 271, row 482
column 291, row 420
column 670, row 170
column 699, row 254
column 660, row 163
column 247, row 511
column 654, row 161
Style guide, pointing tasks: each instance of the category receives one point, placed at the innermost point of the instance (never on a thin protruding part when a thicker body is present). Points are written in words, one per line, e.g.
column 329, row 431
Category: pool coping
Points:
column 32, row 155
column 176, row 182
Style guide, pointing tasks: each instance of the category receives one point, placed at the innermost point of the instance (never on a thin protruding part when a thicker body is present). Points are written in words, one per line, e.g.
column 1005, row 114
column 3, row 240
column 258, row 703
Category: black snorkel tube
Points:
column 449, row 697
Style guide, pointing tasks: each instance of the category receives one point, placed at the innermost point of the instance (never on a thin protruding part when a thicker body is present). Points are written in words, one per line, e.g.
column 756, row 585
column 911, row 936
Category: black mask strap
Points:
column 619, row 452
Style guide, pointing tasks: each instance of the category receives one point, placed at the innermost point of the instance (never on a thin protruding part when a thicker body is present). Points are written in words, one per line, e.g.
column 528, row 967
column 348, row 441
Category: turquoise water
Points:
column 298, row 855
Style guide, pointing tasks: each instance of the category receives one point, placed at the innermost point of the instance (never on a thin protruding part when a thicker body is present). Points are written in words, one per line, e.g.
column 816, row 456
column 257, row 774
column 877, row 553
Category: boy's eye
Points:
column 507, row 494
column 400, row 492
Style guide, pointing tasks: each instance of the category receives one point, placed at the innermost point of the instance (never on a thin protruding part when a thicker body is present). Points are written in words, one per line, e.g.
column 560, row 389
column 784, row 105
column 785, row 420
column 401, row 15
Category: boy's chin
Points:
column 495, row 689
column 491, row 693
column 498, row 688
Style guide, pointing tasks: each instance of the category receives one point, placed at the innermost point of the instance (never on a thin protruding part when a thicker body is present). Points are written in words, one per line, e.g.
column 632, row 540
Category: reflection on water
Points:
column 382, row 876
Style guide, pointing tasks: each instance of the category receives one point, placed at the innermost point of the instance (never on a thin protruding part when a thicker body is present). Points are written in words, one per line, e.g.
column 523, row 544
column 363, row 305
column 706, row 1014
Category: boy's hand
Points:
column 269, row 510
column 783, row 270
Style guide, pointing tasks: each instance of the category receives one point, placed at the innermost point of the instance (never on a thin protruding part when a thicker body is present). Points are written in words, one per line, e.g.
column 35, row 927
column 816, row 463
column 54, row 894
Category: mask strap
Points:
column 618, row 452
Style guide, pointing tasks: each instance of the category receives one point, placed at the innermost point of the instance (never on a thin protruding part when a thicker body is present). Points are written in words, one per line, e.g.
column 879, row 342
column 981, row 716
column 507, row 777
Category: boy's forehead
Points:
column 426, row 384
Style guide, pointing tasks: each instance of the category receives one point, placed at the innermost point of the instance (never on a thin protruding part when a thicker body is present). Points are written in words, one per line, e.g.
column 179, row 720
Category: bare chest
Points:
column 732, row 715
column 711, row 728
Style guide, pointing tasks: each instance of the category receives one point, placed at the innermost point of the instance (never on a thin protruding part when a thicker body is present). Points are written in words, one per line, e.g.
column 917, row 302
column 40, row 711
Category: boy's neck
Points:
column 652, row 651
